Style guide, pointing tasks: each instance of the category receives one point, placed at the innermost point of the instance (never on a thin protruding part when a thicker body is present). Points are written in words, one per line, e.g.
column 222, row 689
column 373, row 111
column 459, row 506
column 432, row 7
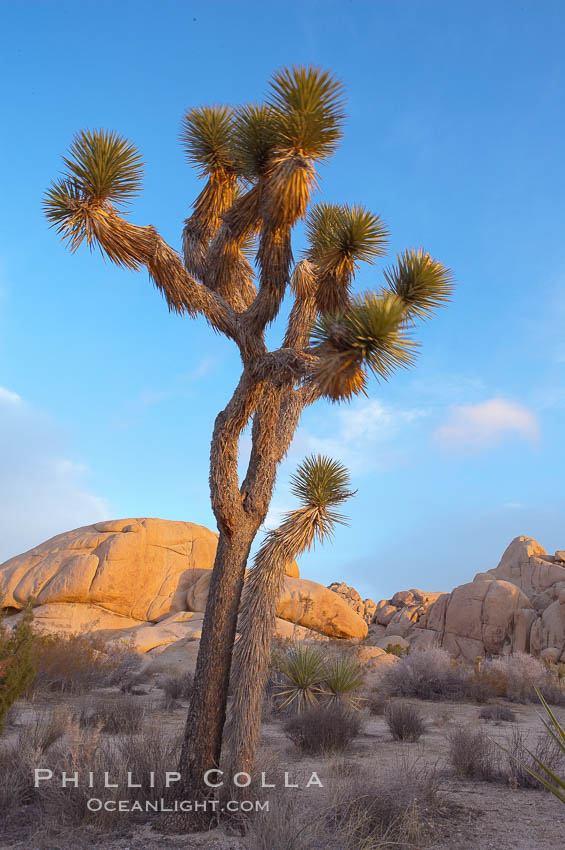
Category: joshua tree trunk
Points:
column 239, row 512
column 203, row 734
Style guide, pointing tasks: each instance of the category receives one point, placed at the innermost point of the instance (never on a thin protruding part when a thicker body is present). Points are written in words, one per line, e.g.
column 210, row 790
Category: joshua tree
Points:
column 259, row 165
column 320, row 484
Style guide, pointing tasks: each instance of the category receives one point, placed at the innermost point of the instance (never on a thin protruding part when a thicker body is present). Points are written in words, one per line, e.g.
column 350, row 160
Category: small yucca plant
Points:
column 304, row 670
column 343, row 678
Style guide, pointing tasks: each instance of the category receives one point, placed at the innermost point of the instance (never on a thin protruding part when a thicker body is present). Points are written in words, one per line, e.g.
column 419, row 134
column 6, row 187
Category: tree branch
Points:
column 224, row 484
column 132, row 246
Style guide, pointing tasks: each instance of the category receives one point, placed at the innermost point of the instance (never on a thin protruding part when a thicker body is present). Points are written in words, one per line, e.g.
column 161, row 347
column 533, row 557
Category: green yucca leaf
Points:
column 254, row 139
column 422, row 283
column 342, row 679
column 341, row 236
column 206, row 135
column 103, row 166
column 373, row 330
column 320, row 481
column 309, row 107
column 59, row 200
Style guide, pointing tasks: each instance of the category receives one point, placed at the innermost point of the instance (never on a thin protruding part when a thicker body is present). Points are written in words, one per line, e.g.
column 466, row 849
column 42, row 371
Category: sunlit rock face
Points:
column 147, row 581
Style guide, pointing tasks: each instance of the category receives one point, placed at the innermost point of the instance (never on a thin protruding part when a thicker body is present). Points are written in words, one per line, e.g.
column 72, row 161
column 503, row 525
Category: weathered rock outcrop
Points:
column 364, row 607
column 147, row 580
column 139, row 568
column 303, row 602
column 519, row 606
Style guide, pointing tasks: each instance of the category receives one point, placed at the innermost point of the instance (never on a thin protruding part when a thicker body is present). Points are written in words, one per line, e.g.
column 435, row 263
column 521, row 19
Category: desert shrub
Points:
column 343, row 680
column 473, row 755
column 46, row 728
column 433, row 675
column 396, row 649
column 523, row 760
column 122, row 715
column 12, row 715
column 517, row 676
column 56, row 810
column 428, row 674
column 16, row 665
column 323, row 729
column 302, row 670
column 155, row 751
column 404, row 721
column 16, row 781
column 177, row 688
column 497, row 713
column 32, row 748
column 391, row 811
column 376, row 702
column 130, row 684
column 287, row 825
column 76, row 663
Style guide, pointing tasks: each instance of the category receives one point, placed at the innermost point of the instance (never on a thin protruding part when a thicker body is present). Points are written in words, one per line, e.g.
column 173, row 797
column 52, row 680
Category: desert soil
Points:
column 477, row 815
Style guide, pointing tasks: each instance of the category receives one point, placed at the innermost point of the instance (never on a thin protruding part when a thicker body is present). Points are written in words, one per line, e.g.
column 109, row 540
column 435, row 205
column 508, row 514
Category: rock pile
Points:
column 147, row 580
column 517, row 607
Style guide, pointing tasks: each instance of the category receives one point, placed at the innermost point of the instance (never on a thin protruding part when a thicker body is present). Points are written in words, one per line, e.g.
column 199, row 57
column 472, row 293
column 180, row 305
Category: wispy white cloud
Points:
column 353, row 434
column 8, row 397
column 484, row 424
column 43, row 491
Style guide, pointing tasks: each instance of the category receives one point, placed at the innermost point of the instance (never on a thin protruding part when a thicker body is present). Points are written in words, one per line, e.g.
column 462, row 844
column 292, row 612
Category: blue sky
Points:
column 454, row 135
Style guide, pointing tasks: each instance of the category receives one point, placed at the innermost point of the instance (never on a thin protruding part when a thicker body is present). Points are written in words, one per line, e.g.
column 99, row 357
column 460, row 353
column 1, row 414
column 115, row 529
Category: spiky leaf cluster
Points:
column 308, row 103
column 206, row 135
column 303, row 667
column 254, row 139
column 320, row 482
column 104, row 166
column 104, row 172
column 371, row 334
column 342, row 236
column 343, row 679
column 423, row 284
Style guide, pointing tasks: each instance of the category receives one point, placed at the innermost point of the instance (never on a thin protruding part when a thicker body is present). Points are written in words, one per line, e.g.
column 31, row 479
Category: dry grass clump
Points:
column 177, row 688
column 473, row 755
column 497, row 713
column 51, row 809
column 376, row 702
column 396, row 811
column 323, row 729
column 521, row 755
column 399, row 810
column 122, row 715
column 78, row 663
column 287, row 825
column 404, row 721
